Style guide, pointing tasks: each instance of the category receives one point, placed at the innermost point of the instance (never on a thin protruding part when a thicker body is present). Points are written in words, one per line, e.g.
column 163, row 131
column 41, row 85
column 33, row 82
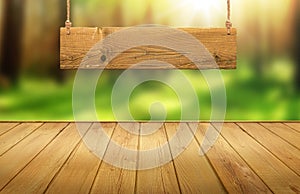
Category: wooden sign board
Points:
column 75, row 46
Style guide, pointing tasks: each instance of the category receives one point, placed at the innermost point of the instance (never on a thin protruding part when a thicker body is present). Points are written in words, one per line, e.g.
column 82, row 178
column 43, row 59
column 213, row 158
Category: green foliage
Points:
column 271, row 97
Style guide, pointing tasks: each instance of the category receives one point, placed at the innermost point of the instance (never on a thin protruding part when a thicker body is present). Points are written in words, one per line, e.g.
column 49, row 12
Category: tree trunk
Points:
column 297, row 44
column 12, row 40
column 59, row 74
column 149, row 13
column 118, row 14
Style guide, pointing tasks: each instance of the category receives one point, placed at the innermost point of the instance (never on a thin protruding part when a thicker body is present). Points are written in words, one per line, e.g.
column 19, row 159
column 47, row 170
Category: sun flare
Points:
column 204, row 10
column 202, row 5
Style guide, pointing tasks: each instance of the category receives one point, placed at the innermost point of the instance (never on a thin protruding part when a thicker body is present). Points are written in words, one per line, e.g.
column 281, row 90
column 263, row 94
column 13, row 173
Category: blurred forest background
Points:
column 266, row 85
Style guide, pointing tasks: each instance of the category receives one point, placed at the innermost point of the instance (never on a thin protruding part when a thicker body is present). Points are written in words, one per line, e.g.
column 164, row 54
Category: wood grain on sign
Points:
column 74, row 47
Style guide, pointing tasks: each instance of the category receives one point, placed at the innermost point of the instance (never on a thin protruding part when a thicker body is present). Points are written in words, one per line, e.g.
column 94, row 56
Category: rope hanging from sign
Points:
column 228, row 22
column 68, row 23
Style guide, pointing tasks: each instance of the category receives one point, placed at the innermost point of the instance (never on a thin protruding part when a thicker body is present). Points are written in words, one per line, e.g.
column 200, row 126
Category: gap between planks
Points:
column 83, row 172
column 27, row 150
column 39, row 181
column 253, row 167
column 275, row 174
column 233, row 171
column 280, row 148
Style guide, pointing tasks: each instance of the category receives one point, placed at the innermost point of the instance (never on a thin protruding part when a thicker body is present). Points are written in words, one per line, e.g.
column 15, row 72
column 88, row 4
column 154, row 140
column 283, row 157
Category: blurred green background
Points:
column 265, row 86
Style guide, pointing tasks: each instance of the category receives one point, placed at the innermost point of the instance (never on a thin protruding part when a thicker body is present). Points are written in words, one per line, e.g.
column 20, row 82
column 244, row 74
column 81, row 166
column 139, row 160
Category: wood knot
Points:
column 103, row 58
column 217, row 57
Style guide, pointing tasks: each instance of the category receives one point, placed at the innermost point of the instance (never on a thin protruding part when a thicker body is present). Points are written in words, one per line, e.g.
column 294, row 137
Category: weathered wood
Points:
column 246, row 158
column 287, row 153
column 275, row 174
column 195, row 174
column 111, row 179
column 19, row 156
column 233, row 171
column 4, row 127
column 74, row 47
column 160, row 179
column 295, row 126
column 78, row 173
column 12, row 137
column 291, row 136
column 48, row 162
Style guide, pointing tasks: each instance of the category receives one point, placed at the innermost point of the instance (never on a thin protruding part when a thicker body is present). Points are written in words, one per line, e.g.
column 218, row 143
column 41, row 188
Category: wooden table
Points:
column 37, row 157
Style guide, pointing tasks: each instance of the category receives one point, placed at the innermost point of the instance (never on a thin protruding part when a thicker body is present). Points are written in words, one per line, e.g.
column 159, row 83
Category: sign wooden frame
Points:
column 74, row 47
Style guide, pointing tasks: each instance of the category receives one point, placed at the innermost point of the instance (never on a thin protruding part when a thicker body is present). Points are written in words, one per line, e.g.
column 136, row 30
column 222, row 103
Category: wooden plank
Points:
column 74, row 47
column 284, row 151
column 14, row 136
column 111, row 179
column 161, row 179
column 194, row 172
column 36, row 176
column 290, row 135
column 78, row 173
column 236, row 175
column 4, row 127
column 19, row 156
column 275, row 174
column 295, row 126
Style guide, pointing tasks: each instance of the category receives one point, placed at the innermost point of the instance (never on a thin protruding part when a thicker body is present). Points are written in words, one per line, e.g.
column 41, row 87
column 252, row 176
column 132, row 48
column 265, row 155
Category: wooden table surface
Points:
column 39, row 157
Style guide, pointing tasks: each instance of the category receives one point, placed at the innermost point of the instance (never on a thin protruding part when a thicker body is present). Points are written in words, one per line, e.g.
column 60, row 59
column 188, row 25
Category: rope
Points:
column 228, row 22
column 68, row 23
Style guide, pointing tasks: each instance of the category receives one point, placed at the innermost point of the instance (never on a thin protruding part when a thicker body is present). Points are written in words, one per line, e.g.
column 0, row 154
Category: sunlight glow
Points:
column 202, row 5
column 205, row 12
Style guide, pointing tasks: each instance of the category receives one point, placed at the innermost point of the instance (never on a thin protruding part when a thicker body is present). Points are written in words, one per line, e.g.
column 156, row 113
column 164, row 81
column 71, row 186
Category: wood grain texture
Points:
column 285, row 132
column 78, row 173
column 19, row 156
column 194, row 172
column 74, row 47
column 295, row 126
column 246, row 158
column 287, row 153
column 233, row 171
column 276, row 175
column 161, row 179
column 12, row 137
column 39, row 173
column 111, row 179
column 4, row 127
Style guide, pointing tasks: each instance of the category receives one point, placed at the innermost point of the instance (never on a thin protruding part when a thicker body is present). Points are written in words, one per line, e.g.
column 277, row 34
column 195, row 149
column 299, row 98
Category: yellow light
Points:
column 204, row 10
column 202, row 5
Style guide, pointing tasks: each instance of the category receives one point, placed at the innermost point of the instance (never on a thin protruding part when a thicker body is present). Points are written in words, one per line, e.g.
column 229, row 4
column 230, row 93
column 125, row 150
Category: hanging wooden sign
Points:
column 75, row 46
column 76, row 42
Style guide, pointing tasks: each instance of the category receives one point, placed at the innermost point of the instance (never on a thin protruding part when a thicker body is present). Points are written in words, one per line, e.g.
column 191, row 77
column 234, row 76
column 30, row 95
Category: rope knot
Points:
column 68, row 25
column 228, row 26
